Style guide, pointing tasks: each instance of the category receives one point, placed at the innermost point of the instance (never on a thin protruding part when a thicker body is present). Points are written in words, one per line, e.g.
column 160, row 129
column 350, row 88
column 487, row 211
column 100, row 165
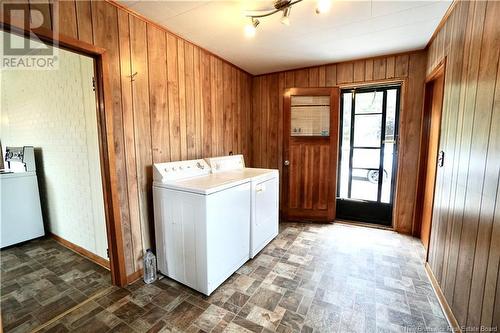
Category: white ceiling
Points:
column 350, row 30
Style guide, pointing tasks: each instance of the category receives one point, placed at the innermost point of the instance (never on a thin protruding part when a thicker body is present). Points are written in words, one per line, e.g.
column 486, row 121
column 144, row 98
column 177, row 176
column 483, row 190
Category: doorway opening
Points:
column 57, row 125
column 430, row 157
column 368, row 154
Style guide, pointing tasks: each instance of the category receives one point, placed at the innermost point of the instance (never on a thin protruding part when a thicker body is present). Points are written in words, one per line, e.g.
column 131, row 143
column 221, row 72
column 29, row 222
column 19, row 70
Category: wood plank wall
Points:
column 182, row 103
column 267, row 113
column 464, row 251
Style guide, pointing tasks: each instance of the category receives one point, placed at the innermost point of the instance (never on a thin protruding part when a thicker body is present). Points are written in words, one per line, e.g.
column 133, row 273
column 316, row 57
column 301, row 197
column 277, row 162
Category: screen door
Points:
column 368, row 156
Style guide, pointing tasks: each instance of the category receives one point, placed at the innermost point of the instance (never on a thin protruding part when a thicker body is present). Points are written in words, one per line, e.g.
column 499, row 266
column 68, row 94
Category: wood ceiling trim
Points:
column 442, row 23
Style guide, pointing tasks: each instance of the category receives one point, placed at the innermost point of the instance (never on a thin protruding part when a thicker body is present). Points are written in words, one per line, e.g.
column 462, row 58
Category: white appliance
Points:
column 202, row 223
column 21, row 214
column 264, row 197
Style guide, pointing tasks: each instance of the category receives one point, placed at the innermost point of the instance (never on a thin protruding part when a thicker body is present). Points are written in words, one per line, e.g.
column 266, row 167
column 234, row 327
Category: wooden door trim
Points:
column 334, row 148
column 376, row 83
column 437, row 72
column 104, row 107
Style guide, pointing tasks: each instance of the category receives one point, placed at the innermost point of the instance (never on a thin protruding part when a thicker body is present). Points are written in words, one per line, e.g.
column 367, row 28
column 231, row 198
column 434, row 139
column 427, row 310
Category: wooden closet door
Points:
column 434, row 91
column 311, row 120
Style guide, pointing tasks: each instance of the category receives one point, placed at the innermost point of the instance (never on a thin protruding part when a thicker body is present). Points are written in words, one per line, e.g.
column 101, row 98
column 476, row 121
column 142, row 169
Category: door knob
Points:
column 286, row 163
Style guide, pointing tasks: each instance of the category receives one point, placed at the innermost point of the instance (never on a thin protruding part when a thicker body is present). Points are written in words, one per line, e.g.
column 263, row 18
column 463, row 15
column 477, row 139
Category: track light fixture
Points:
column 322, row 6
column 285, row 6
column 285, row 19
column 251, row 28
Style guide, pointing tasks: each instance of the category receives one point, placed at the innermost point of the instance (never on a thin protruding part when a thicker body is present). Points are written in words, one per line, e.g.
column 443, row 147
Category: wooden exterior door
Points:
column 310, row 139
column 434, row 90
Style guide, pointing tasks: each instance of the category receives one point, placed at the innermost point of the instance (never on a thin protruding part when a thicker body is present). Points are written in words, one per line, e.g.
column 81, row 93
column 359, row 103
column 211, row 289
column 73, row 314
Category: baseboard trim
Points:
column 452, row 321
column 81, row 251
column 134, row 276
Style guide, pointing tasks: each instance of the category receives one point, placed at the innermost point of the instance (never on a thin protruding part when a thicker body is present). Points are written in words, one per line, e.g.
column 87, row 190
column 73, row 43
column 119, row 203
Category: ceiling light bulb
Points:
column 285, row 19
column 323, row 6
column 251, row 28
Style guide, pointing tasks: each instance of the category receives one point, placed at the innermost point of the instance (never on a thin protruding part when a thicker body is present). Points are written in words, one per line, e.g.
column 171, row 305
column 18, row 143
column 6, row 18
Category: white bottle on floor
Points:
column 149, row 267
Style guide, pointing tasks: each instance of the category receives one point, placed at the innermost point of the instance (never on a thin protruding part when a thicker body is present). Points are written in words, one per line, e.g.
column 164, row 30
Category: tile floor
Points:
column 41, row 279
column 311, row 278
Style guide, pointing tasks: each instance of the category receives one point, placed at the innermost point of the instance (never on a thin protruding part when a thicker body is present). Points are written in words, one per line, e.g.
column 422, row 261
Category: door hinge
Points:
column 107, row 253
column 93, row 83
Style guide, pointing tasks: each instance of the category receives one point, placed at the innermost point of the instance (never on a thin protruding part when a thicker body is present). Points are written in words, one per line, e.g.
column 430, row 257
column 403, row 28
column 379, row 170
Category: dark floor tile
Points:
column 16, row 272
column 58, row 328
column 211, row 317
column 35, row 277
column 152, row 316
column 293, row 320
column 9, row 287
column 129, row 312
column 159, row 326
column 183, row 315
column 404, row 319
column 166, row 297
column 266, row 298
column 221, row 326
column 299, row 283
column 247, row 324
column 279, row 329
column 285, row 283
column 238, row 299
column 91, row 314
column 291, row 301
column 51, row 310
column 435, row 323
column 76, row 295
column 108, row 299
column 253, row 287
column 230, row 307
column 21, row 323
column 261, row 272
column 93, row 325
column 198, row 301
column 306, row 329
column 121, row 328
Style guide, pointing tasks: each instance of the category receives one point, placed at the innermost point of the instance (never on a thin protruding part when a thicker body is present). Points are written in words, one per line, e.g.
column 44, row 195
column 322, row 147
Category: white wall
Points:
column 55, row 110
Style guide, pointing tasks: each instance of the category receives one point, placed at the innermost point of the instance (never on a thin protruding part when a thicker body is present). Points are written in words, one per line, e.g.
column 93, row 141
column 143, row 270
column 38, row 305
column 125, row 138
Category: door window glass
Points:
column 369, row 102
column 389, row 144
column 345, row 148
column 365, row 158
column 367, row 130
column 310, row 116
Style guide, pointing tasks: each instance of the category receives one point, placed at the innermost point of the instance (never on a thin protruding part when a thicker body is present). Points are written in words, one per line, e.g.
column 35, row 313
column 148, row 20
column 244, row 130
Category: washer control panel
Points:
column 226, row 163
column 179, row 170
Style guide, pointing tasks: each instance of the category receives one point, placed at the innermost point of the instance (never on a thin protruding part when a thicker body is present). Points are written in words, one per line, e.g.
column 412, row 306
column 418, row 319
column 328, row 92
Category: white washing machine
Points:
column 264, row 197
column 21, row 214
column 202, row 223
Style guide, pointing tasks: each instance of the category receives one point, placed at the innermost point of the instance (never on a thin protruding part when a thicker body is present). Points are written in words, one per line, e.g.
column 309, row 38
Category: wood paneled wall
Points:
column 267, row 113
column 172, row 100
column 465, row 236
